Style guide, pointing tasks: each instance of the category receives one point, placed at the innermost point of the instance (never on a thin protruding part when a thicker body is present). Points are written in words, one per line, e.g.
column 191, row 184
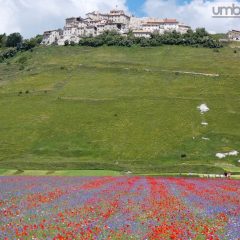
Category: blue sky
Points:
column 136, row 7
column 31, row 17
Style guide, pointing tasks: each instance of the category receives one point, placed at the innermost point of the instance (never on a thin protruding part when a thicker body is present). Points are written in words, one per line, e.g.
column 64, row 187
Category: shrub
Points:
column 11, row 52
column 144, row 42
column 66, row 43
column 125, row 43
column 28, row 45
column 113, row 38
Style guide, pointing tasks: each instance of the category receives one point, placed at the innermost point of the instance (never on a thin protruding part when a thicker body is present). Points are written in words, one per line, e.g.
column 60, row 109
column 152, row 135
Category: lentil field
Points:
column 119, row 208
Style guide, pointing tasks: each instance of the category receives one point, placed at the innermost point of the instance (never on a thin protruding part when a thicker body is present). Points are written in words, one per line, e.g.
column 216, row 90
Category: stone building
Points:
column 234, row 35
column 52, row 37
column 95, row 23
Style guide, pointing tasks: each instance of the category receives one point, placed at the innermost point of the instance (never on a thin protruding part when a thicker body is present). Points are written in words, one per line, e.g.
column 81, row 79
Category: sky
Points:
column 31, row 17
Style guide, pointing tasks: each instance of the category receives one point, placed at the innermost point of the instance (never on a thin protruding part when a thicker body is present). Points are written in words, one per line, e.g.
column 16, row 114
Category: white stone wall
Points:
column 234, row 35
column 69, row 31
column 137, row 23
column 151, row 28
column 90, row 32
column 119, row 19
column 82, row 24
column 142, row 34
column 169, row 27
column 110, row 27
column 183, row 29
column 51, row 38
column 94, row 16
column 70, row 39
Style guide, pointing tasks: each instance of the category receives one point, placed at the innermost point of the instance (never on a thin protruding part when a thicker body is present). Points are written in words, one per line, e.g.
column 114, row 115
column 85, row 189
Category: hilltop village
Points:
column 95, row 23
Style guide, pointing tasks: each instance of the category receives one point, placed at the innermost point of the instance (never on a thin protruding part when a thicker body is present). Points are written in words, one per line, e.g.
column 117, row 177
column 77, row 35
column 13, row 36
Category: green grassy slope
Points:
column 119, row 109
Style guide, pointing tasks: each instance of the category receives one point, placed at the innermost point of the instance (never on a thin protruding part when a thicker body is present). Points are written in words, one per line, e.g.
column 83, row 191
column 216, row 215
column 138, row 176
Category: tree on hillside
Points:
column 3, row 39
column 201, row 32
column 31, row 43
column 28, row 44
column 14, row 40
column 38, row 39
column 112, row 38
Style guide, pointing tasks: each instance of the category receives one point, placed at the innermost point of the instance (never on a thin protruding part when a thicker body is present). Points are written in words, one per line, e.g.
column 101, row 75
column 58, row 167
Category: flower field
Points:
column 119, row 208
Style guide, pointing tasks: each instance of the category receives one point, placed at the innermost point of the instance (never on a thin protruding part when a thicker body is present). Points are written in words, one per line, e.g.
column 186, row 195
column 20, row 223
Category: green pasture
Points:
column 69, row 173
column 119, row 109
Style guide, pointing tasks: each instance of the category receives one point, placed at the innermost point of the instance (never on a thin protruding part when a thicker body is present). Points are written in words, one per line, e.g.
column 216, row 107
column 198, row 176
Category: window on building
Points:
column 119, row 26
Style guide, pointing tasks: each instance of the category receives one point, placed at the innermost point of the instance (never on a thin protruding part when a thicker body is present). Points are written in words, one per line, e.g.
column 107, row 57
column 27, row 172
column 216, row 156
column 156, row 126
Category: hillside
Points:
column 125, row 109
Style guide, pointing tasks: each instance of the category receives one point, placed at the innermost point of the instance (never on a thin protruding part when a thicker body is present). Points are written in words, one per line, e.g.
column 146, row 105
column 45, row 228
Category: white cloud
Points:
column 197, row 13
column 31, row 17
column 7, row 11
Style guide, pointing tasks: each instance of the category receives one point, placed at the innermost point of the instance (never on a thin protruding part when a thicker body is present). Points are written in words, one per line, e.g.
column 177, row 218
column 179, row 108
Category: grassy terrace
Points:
column 119, row 109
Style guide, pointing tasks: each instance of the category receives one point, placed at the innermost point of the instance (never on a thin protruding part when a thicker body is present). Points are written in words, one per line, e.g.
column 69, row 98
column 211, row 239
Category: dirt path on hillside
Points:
column 193, row 73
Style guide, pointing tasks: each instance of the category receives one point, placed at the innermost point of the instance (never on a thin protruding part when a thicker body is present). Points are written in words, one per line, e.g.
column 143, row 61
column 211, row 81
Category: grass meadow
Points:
column 120, row 109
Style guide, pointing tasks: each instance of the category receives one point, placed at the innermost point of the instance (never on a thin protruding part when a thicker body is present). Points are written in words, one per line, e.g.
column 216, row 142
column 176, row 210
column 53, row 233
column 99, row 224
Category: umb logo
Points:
column 226, row 10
